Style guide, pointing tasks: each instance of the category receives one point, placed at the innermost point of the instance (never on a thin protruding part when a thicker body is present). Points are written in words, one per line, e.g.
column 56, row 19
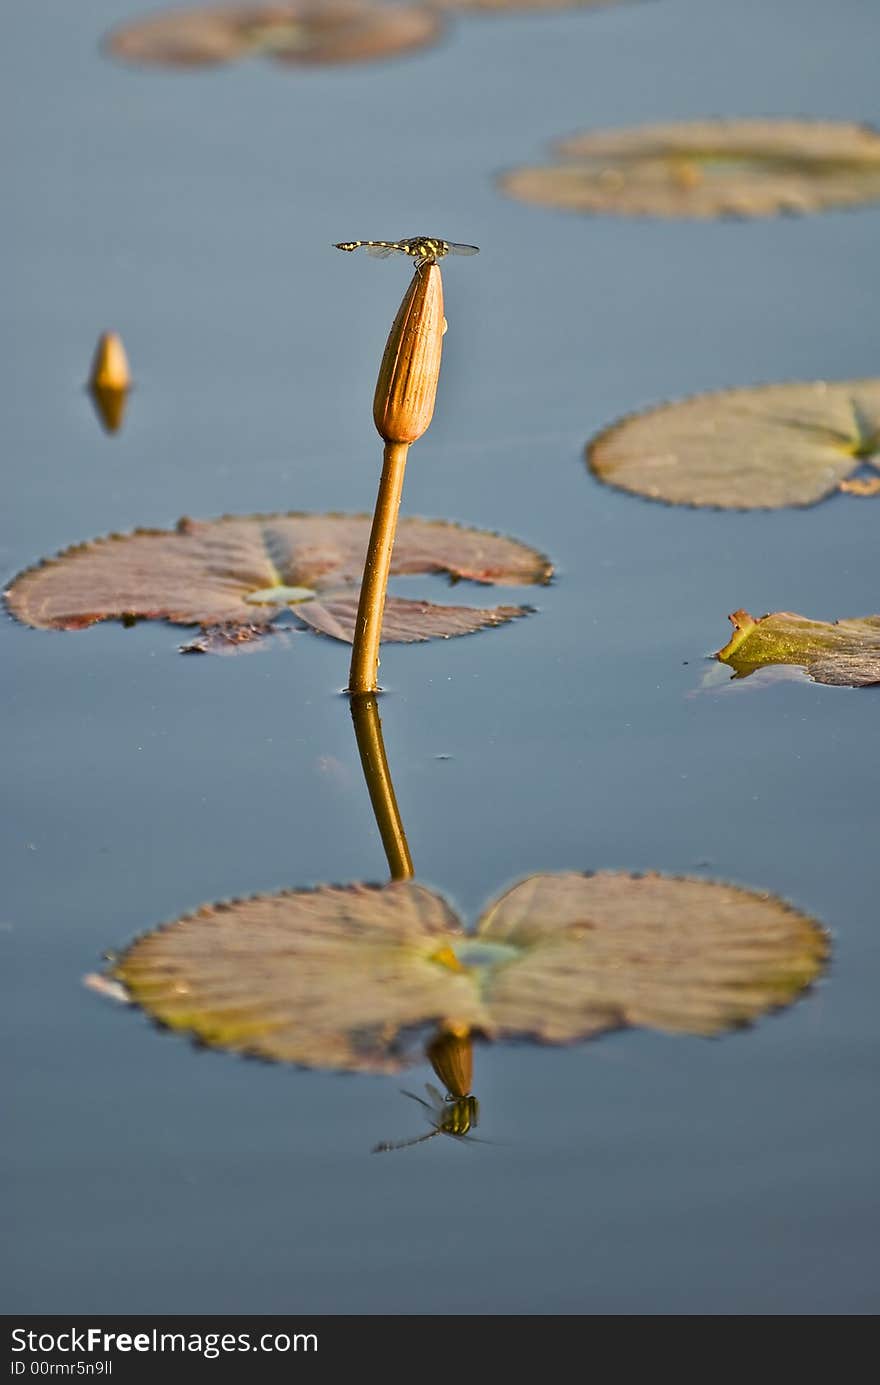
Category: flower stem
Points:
column 363, row 674
column 368, row 731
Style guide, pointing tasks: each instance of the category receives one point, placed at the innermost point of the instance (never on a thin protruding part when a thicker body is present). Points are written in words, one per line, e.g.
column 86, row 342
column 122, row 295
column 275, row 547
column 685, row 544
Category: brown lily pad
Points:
column 235, row 576
column 746, row 449
column 305, row 32
column 845, row 654
column 342, row 977
column 708, row 169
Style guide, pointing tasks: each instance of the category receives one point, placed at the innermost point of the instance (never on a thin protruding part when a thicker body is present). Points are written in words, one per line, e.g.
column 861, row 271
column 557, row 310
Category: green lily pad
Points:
column 746, row 449
column 708, row 169
column 307, row 32
column 235, row 576
column 845, row 654
column 342, row 976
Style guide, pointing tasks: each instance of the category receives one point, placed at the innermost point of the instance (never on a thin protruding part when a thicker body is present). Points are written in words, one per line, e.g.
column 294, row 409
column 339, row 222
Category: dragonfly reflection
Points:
column 423, row 249
column 449, row 1115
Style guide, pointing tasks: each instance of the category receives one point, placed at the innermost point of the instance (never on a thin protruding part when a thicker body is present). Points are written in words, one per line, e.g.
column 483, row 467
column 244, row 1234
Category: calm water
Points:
column 194, row 214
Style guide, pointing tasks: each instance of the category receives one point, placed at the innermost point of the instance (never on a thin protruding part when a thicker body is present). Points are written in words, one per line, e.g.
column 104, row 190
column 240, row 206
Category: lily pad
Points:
column 342, row 977
column 306, row 32
column 845, row 654
column 708, row 169
column 235, row 576
column 746, row 449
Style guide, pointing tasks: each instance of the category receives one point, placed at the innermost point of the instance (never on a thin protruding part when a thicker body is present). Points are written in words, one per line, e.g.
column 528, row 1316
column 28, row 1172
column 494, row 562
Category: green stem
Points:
column 368, row 730
column 363, row 675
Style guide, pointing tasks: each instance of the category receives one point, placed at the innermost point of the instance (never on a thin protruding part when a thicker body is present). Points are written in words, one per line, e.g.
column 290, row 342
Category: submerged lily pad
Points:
column 305, row 32
column 340, row 977
column 846, row 653
column 746, row 449
column 708, row 169
column 235, row 576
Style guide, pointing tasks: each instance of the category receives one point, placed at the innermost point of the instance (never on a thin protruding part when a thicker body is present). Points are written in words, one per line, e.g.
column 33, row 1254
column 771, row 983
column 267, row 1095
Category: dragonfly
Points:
column 448, row 1116
column 423, row 249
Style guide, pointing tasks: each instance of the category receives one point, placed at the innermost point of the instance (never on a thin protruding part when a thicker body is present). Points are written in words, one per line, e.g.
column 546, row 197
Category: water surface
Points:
column 194, row 214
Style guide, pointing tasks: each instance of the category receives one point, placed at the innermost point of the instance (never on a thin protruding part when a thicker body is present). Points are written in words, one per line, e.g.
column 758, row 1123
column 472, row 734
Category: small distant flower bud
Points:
column 109, row 380
column 110, row 364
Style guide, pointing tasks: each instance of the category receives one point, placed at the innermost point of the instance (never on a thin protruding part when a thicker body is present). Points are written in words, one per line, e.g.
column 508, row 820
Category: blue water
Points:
column 194, row 214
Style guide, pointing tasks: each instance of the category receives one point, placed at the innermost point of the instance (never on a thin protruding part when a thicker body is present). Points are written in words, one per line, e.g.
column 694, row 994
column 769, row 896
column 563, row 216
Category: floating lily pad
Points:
column 708, row 169
column 310, row 32
column 748, row 449
column 341, row 977
column 846, row 653
column 235, row 576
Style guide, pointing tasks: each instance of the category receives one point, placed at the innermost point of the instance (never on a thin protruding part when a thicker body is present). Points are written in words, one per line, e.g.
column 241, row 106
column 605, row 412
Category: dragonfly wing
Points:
column 380, row 249
column 412, row 1096
column 455, row 249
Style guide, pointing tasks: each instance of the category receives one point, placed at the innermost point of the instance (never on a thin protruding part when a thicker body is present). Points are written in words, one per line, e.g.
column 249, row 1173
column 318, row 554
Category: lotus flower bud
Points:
column 407, row 384
column 109, row 380
column 110, row 364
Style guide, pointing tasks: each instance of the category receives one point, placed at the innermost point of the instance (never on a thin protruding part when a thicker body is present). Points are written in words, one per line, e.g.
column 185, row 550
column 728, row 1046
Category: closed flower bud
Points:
column 110, row 364
column 407, row 385
column 109, row 381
